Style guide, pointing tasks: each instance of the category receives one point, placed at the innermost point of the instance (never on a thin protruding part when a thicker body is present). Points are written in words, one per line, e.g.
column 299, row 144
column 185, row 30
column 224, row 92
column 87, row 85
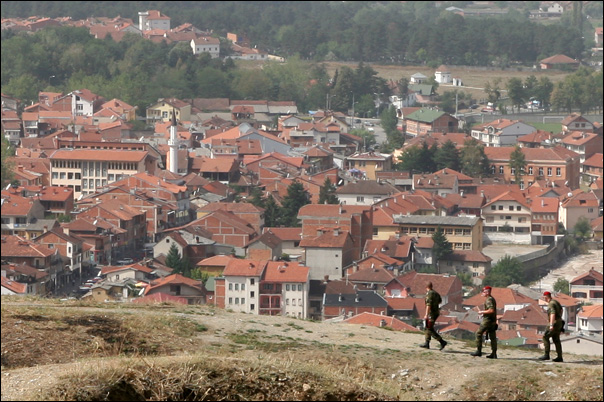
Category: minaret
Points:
column 173, row 144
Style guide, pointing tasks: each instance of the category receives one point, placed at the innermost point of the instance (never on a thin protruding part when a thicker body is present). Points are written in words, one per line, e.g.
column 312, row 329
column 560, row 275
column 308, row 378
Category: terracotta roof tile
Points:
column 282, row 271
column 376, row 320
column 249, row 268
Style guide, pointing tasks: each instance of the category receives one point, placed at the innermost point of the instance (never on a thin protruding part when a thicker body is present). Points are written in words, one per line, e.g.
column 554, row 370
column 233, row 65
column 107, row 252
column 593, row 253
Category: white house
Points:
column 443, row 75
column 501, row 132
column 418, row 78
column 206, row 44
column 590, row 319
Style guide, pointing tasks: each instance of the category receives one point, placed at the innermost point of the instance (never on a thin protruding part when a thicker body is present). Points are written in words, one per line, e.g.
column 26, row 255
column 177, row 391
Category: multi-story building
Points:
column 579, row 205
column 501, row 132
column 153, row 19
column 163, row 108
column 464, row 233
column 368, row 163
column 585, row 144
column 507, row 215
column 544, row 219
column 555, row 164
column 588, row 287
column 424, row 121
column 206, row 44
column 86, row 170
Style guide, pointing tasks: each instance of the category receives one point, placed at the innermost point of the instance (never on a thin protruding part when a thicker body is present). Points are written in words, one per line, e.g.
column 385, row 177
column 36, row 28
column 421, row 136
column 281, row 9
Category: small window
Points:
column 299, row 287
column 230, row 286
column 252, row 281
column 287, row 287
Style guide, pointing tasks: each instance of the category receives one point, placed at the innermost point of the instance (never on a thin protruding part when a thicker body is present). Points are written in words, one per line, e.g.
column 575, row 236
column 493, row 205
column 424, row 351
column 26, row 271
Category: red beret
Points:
column 547, row 294
column 486, row 288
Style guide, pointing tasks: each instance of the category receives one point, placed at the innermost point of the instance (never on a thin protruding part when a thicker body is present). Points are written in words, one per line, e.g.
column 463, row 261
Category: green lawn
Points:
column 551, row 127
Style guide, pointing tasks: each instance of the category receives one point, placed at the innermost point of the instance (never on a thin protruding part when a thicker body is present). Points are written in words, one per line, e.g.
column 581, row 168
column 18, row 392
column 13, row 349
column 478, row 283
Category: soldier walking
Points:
column 433, row 301
column 488, row 324
column 554, row 315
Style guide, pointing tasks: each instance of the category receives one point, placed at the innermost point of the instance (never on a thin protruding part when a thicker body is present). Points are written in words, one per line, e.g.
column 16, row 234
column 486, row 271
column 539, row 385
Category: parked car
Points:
column 474, row 106
column 369, row 124
column 357, row 120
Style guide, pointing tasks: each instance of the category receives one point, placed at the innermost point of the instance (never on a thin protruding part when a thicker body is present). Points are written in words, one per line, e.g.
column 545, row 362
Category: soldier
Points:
column 433, row 300
column 488, row 325
column 554, row 314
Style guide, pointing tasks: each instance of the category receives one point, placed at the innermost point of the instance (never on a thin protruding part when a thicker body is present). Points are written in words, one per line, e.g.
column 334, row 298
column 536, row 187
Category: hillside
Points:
column 71, row 350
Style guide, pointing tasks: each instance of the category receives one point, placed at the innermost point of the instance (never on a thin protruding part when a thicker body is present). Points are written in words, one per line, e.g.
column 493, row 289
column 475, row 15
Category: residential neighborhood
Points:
column 265, row 207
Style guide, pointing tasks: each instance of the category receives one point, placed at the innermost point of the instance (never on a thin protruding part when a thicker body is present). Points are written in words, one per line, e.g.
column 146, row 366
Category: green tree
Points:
column 493, row 91
column 474, row 161
column 367, row 136
column 517, row 163
column 296, row 198
column 410, row 159
column 516, row 92
column 173, row 259
column 543, row 91
column 327, row 193
column 441, row 248
column 562, row 286
column 272, row 212
column 447, row 156
column 507, row 271
column 582, row 228
column 6, row 163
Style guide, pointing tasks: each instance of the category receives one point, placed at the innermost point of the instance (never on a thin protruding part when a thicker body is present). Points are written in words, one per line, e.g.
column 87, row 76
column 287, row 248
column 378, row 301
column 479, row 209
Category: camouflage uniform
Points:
column 553, row 307
column 433, row 299
column 488, row 325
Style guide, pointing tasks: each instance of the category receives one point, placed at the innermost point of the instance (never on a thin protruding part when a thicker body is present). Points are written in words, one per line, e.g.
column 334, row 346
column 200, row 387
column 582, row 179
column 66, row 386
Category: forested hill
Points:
column 409, row 32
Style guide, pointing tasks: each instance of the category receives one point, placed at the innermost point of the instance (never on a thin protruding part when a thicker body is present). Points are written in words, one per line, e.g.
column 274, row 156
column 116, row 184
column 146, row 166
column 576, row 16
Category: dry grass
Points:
column 79, row 351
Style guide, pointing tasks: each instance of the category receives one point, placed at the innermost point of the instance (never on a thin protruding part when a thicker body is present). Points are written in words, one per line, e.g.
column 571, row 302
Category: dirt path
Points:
column 572, row 268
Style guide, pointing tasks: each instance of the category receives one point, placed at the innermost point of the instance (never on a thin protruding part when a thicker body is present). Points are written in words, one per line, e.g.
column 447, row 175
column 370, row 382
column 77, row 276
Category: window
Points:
column 558, row 172
column 243, row 300
column 375, row 231
column 500, row 169
column 508, row 217
column 243, row 286
column 540, row 171
column 501, row 207
column 493, row 208
column 299, row 287
column 518, row 208
column 236, row 300
column 252, row 306
column 252, row 281
column 511, row 207
column 293, row 302
column 287, row 302
column 230, row 300
column 360, row 199
column 590, row 210
column 252, row 294
column 236, row 286
column 549, row 171
column 287, row 287
column 530, row 170
column 230, row 284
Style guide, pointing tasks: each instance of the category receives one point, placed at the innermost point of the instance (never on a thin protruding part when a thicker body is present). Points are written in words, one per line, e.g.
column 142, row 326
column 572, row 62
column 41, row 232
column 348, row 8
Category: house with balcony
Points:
column 284, row 289
column 163, row 109
column 593, row 168
column 587, row 287
column 70, row 247
column 583, row 143
column 577, row 206
column 590, row 320
column 507, row 217
column 501, row 132
column 367, row 164
column 544, row 219
column 19, row 212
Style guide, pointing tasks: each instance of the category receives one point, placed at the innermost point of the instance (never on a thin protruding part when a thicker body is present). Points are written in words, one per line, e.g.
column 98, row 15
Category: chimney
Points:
column 336, row 231
column 340, row 209
column 251, row 266
column 461, row 193
column 326, row 279
column 340, row 297
column 542, row 202
column 356, row 298
column 397, row 234
column 482, row 193
column 46, row 229
column 382, row 323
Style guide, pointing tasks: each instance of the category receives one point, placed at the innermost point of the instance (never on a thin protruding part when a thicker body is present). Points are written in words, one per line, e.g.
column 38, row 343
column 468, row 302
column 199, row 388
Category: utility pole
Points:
column 455, row 104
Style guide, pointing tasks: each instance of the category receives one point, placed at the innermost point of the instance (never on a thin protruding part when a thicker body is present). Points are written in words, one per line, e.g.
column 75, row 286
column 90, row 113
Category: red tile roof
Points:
column 327, row 240
column 249, row 268
column 282, row 271
column 99, row 155
column 503, row 296
column 376, row 320
column 327, row 210
column 468, row 256
column 592, row 273
column 559, row 59
column 595, row 311
column 108, row 269
column 558, row 153
column 578, row 138
column 596, row 160
column 174, row 279
column 509, row 196
column 286, row 234
column 15, row 287
column 15, row 246
column 532, row 315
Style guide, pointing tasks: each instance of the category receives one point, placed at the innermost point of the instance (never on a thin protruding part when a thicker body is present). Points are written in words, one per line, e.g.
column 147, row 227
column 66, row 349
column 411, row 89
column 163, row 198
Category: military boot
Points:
column 443, row 343
column 425, row 345
column 478, row 353
column 492, row 356
column 558, row 359
column 544, row 357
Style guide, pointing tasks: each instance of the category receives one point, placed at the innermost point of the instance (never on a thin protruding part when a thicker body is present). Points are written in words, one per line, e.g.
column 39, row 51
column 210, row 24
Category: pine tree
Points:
column 272, row 213
column 327, row 193
column 173, row 259
column 441, row 248
column 517, row 163
column 296, row 198
column 447, row 156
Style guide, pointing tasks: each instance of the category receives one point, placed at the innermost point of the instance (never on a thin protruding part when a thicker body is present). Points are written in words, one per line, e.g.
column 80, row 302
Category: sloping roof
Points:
column 443, row 284
column 595, row 311
column 509, row 196
column 328, row 210
column 13, row 286
column 371, row 275
column 371, row 187
column 366, row 298
column 283, row 271
column 174, row 279
column 217, row 260
column 267, row 238
column 425, row 115
column 468, row 256
column 559, row 59
column 327, row 240
column 160, row 298
column 376, row 320
column 286, row 234
column 503, row 296
column 237, row 267
column 592, row 273
column 531, row 315
column 596, row 160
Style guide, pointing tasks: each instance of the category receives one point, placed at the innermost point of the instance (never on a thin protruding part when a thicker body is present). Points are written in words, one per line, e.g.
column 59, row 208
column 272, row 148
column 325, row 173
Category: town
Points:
column 259, row 207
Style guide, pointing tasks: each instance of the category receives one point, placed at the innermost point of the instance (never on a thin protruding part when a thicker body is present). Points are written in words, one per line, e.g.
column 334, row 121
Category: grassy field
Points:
column 551, row 127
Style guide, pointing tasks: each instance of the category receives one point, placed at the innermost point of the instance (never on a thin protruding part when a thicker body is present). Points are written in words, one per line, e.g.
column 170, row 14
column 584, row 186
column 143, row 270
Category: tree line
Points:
column 397, row 32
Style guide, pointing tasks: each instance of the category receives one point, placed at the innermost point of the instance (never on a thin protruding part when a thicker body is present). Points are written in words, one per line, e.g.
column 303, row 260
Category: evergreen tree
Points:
column 7, row 166
column 296, row 198
column 173, row 259
column 474, row 161
column 256, row 197
column 447, row 156
column 327, row 193
column 441, row 248
column 272, row 212
column 517, row 163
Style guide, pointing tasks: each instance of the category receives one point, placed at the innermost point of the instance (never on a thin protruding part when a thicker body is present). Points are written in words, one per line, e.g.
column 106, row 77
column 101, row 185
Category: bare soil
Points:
column 54, row 350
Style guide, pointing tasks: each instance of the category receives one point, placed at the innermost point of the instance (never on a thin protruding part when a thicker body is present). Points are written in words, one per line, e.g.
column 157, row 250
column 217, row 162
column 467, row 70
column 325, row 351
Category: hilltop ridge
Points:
column 70, row 350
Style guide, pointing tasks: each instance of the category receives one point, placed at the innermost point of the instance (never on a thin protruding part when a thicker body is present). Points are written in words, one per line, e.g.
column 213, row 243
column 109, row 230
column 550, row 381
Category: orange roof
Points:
column 312, row 210
column 15, row 287
column 285, row 234
column 107, row 269
column 176, row 279
column 509, row 196
column 282, row 271
column 559, row 59
column 537, row 136
column 581, row 199
column 596, row 160
column 238, row 267
column 376, row 320
column 15, row 205
column 503, row 296
column 545, row 204
column 578, row 138
column 208, row 165
column 559, row 153
column 594, row 311
column 327, row 240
